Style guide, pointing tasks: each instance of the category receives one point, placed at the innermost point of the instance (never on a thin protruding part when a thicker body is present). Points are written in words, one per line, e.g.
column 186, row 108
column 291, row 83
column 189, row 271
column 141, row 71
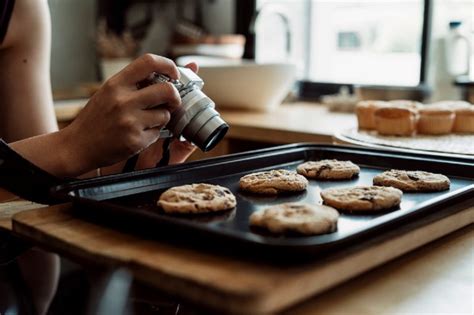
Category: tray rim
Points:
column 58, row 191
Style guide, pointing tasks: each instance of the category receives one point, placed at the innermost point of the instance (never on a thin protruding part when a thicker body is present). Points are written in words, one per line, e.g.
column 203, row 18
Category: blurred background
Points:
column 423, row 47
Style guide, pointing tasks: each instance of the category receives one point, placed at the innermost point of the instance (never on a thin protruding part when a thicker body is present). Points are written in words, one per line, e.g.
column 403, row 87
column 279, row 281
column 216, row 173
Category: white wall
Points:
column 74, row 58
column 219, row 16
column 73, row 54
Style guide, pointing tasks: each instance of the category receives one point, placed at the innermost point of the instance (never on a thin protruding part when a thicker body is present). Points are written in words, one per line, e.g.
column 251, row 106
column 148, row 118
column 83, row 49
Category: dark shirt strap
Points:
column 6, row 9
column 25, row 179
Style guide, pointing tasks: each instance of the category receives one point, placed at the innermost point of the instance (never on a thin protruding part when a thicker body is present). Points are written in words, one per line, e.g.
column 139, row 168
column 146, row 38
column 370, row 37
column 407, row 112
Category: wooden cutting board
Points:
column 11, row 205
column 229, row 285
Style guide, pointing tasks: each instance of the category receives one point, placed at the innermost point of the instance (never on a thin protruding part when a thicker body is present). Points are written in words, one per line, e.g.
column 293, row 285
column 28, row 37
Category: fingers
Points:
column 157, row 94
column 180, row 151
column 151, row 136
column 193, row 66
column 144, row 65
column 154, row 118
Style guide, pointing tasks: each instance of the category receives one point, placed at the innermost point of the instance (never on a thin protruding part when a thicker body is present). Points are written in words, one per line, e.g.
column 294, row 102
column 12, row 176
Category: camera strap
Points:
column 165, row 158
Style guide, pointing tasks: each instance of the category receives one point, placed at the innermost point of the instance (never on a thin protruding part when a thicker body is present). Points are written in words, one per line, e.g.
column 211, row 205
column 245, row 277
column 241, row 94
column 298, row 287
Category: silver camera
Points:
column 196, row 120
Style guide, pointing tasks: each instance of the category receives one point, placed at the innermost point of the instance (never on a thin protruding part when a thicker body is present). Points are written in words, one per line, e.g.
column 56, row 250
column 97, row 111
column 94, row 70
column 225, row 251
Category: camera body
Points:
column 196, row 120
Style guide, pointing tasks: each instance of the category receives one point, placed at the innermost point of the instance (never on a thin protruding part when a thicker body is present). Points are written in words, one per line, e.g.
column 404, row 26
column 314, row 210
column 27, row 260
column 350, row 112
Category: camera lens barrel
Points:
column 197, row 120
column 206, row 129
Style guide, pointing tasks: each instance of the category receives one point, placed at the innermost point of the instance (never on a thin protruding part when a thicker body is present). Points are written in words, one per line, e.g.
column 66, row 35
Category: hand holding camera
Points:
column 196, row 119
column 120, row 120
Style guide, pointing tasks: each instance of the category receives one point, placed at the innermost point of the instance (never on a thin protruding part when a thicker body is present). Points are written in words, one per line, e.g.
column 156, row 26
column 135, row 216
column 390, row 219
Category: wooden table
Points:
column 419, row 282
column 11, row 205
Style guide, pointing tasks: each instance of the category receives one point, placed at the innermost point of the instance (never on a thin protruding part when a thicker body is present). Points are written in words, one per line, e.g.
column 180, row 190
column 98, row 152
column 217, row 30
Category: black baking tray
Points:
column 130, row 199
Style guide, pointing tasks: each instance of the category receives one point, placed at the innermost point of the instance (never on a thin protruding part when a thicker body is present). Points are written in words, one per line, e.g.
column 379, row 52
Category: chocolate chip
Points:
column 322, row 168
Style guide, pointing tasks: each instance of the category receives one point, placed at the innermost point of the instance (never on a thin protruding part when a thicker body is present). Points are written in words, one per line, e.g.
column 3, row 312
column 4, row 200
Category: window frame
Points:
column 245, row 10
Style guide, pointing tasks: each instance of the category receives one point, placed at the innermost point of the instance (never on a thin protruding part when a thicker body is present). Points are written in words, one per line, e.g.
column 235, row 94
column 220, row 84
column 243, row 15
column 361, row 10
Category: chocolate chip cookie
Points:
column 196, row 198
column 362, row 198
column 412, row 180
column 273, row 182
column 300, row 218
column 328, row 169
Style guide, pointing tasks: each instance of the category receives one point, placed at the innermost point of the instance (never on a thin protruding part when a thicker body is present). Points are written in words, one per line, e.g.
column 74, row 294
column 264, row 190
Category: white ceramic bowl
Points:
column 243, row 84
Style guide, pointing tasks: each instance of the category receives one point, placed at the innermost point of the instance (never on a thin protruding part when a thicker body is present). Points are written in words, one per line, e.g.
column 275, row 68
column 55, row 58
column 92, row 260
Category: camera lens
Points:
column 197, row 121
column 212, row 129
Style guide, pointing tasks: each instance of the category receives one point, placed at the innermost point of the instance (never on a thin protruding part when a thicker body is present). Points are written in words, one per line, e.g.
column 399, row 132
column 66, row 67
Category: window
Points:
column 461, row 11
column 376, row 42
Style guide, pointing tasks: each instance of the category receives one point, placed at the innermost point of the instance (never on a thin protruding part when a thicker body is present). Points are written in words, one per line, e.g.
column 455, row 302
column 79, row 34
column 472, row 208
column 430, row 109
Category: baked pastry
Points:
column 414, row 105
column 303, row 218
column 412, row 180
column 395, row 121
column 273, row 182
column 435, row 121
column 196, row 198
column 464, row 120
column 452, row 105
column 365, row 113
column 362, row 198
column 328, row 169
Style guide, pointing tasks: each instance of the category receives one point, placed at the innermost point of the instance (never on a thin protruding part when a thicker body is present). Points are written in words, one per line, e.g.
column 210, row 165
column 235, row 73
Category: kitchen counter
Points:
column 436, row 278
column 289, row 123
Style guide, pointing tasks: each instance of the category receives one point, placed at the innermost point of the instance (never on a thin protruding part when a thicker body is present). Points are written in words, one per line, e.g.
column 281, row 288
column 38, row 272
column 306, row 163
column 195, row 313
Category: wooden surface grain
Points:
column 230, row 284
column 11, row 205
column 289, row 123
column 435, row 279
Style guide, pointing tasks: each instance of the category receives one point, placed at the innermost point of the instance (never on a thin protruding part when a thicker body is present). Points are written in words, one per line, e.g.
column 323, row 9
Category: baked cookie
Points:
column 196, row 198
column 412, row 180
column 362, row 198
column 273, row 182
column 328, row 169
column 301, row 218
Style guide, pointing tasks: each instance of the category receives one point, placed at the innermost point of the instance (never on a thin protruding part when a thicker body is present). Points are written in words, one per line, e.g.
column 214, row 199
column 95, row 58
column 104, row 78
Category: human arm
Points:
column 115, row 124
column 26, row 105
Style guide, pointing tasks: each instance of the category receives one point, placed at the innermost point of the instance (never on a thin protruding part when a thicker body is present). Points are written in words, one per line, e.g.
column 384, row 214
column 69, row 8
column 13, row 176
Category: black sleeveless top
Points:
column 6, row 8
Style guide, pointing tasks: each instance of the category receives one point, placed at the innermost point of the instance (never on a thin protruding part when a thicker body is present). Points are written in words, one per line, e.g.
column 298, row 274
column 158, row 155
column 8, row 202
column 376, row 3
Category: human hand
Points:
column 118, row 121
column 179, row 150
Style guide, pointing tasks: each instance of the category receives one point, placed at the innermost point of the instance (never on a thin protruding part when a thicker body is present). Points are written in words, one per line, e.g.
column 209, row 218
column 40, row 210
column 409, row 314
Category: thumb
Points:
column 180, row 151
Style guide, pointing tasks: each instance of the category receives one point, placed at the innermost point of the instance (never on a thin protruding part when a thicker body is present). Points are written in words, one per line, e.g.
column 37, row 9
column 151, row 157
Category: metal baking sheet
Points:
column 131, row 198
